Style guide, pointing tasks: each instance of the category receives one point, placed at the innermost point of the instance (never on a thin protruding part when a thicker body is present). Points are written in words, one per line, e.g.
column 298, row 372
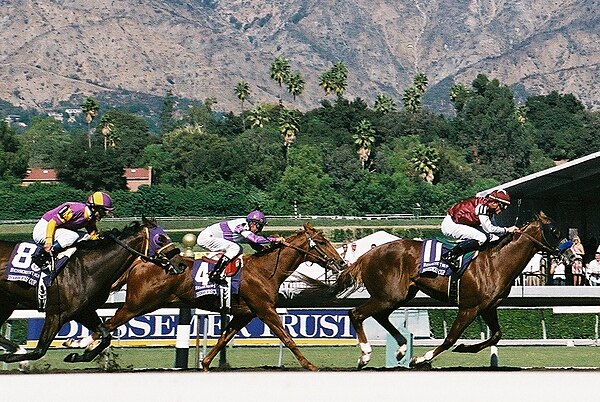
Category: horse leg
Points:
column 383, row 319
column 373, row 307
column 235, row 325
column 51, row 327
column 490, row 316
column 462, row 321
column 6, row 309
column 273, row 321
column 103, row 337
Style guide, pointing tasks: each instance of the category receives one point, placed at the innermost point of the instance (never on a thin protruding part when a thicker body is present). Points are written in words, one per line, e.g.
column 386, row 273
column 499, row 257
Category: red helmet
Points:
column 501, row 196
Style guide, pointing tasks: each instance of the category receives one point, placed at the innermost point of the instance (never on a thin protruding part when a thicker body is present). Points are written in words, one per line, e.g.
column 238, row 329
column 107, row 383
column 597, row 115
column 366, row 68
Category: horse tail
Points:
column 350, row 278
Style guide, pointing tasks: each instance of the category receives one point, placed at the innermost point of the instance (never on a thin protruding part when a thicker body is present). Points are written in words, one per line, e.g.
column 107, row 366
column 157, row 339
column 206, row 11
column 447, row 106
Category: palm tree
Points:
column 280, row 69
column 364, row 138
column 242, row 90
column 459, row 94
column 326, row 81
column 412, row 100
column 288, row 127
column 420, row 82
column 384, row 104
column 424, row 161
column 520, row 114
column 295, row 84
column 258, row 116
column 107, row 128
column 90, row 108
column 340, row 78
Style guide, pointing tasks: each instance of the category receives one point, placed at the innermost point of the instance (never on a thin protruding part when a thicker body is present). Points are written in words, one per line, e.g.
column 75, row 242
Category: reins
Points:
column 311, row 245
column 539, row 243
column 145, row 258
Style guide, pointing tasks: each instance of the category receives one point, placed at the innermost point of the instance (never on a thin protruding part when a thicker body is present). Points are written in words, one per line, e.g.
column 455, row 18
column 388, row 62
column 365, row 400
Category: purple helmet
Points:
column 100, row 200
column 257, row 216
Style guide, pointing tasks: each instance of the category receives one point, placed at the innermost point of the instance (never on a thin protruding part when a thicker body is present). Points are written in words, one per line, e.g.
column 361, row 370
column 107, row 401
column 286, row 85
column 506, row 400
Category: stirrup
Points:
column 42, row 295
column 218, row 280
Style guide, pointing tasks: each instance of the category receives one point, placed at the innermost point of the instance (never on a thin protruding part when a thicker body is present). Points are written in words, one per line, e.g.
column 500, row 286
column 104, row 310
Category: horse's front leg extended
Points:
column 271, row 318
column 490, row 317
column 235, row 325
column 462, row 321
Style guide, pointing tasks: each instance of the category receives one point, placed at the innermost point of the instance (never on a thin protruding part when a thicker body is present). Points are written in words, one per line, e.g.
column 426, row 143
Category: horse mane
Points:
column 130, row 229
column 504, row 240
column 306, row 228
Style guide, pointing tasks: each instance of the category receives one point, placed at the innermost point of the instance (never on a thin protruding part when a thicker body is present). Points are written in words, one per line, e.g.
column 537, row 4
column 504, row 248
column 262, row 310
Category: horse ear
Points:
column 541, row 216
column 308, row 227
column 149, row 222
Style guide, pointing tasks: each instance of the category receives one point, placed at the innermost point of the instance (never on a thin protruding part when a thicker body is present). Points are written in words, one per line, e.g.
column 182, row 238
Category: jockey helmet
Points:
column 258, row 217
column 501, row 196
column 100, row 200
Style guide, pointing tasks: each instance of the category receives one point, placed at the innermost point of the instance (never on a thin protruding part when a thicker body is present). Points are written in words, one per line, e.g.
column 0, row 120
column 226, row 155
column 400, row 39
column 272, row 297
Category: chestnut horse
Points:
column 149, row 288
column 390, row 273
column 81, row 287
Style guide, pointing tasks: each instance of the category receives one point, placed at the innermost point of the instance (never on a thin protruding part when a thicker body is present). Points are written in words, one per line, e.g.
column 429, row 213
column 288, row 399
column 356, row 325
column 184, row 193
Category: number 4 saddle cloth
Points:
column 22, row 268
column 204, row 263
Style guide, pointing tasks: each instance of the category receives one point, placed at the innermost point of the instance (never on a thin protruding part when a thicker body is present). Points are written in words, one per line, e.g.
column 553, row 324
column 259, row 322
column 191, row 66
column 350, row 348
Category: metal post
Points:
column 543, row 324
column 182, row 344
column 223, row 353
column 494, row 356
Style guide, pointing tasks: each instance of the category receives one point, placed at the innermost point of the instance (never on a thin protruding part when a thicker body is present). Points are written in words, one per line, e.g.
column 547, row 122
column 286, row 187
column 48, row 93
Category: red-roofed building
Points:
column 135, row 177
column 39, row 175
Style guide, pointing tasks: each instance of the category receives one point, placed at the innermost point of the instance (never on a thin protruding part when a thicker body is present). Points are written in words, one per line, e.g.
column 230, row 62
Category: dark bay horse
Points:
column 81, row 287
column 149, row 288
column 390, row 273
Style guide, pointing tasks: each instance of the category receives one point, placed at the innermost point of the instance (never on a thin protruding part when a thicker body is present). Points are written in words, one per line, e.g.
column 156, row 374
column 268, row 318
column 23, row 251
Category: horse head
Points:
column 315, row 248
column 547, row 237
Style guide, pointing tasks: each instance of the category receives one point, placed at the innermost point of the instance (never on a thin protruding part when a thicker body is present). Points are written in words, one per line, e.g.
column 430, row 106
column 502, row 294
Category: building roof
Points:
column 137, row 173
column 578, row 179
column 40, row 174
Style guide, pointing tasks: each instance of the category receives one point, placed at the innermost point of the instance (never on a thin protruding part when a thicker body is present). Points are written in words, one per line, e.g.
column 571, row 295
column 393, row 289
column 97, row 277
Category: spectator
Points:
column 592, row 271
column 577, row 270
column 577, row 247
column 557, row 270
column 351, row 255
column 373, row 246
column 344, row 252
column 533, row 270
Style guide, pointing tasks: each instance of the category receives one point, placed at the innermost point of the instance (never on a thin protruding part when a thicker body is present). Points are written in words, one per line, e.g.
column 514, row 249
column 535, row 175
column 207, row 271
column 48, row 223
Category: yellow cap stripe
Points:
column 97, row 196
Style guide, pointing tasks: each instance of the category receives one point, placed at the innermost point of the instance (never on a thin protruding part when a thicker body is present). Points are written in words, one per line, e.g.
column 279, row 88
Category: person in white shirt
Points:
column 592, row 271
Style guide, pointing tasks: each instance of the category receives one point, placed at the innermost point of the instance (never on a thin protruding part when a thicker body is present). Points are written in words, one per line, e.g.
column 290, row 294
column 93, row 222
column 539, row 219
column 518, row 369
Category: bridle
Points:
column 159, row 258
column 312, row 246
column 541, row 244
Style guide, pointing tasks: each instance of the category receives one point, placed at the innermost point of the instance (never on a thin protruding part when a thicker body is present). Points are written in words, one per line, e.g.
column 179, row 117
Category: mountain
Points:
column 59, row 52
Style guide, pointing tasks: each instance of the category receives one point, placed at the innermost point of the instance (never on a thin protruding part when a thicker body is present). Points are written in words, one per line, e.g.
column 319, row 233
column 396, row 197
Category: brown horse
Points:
column 390, row 273
column 149, row 288
column 81, row 287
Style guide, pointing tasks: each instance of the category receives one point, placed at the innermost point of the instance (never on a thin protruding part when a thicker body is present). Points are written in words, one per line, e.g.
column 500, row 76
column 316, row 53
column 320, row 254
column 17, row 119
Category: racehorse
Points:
column 82, row 286
column 390, row 273
column 149, row 288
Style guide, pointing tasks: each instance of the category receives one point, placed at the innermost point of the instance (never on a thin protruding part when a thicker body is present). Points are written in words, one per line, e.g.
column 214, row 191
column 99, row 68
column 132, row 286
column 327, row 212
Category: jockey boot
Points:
column 215, row 276
column 451, row 256
column 43, row 260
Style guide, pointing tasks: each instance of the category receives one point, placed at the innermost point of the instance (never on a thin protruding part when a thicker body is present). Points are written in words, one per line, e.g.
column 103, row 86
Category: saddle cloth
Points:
column 431, row 258
column 204, row 263
column 20, row 267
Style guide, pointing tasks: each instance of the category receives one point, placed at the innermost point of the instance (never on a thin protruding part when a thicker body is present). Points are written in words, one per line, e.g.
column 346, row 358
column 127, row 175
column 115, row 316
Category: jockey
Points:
column 226, row 236
column 471, row 221
column 59, row 228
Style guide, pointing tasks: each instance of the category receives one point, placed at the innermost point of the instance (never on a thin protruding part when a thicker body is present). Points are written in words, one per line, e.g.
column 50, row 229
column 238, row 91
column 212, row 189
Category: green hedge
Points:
column 521, row 324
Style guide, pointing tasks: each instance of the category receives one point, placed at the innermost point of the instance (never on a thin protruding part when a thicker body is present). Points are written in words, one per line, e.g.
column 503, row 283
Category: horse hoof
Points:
column 71, row 358
column 401, row 352
column 312, row 367
column 363, row 361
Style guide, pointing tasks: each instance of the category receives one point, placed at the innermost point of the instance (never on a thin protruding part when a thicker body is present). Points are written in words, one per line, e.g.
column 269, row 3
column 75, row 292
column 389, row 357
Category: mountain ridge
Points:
column 63, row 51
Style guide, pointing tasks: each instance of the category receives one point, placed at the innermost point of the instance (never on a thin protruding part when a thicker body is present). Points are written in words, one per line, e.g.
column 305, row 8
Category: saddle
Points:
column 29, row 263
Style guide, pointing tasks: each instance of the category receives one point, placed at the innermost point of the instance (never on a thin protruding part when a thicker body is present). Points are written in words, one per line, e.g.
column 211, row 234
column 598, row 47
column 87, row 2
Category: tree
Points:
column 339, row 74
column 242, row 91
column 420, row 82
column 288, row 127
column 459, row 94
column 166, row 119
column 91, row 170
column 258, row 116
column 42, row 141
column 384, row 104
column 13, row 159
column 364, row 138
column 107, row 128
column 412, row 100
column 425, row 162
column 295, row 84
column 280, row 69
column 90, row 108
